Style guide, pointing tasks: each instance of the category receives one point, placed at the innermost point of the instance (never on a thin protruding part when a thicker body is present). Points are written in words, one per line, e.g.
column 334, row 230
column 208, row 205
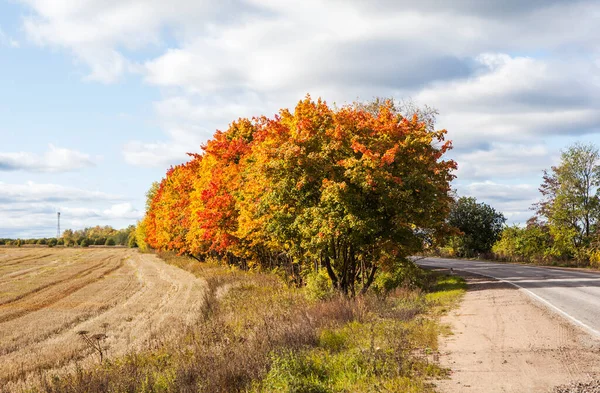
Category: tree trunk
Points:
column 369, row 280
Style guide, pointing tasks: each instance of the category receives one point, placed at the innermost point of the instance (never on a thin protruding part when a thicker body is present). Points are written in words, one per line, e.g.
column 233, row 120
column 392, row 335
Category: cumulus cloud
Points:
column 514, row 200
column 163, row 154
column 98, row 31
column 517, row 99
column 31, row 192
column 29, row 210
column 507, row 77
column 505, row 160
column 54, row 160
column 123, row 210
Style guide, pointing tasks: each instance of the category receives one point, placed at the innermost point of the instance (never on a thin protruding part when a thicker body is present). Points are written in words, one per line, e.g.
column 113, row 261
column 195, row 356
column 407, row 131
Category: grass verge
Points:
column 255, row 334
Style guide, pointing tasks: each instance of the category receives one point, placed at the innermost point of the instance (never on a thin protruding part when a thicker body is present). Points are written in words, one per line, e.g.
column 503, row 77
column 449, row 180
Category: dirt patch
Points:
column 503, row 341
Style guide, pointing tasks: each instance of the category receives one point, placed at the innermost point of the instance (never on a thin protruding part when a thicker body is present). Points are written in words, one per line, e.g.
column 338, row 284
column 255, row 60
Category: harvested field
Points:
column 48, row 295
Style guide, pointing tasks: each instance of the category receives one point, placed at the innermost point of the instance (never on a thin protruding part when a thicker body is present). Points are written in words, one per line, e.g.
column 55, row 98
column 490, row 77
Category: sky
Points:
column 99, row 97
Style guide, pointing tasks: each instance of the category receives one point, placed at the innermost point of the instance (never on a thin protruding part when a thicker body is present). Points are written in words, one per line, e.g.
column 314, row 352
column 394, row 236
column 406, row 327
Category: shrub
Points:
column 318, row 285
column 333, row 340
column 131, row 241
column 110, row 242
column 140, row 236
column 530, row 244
column 406, row 273
column 85, row 242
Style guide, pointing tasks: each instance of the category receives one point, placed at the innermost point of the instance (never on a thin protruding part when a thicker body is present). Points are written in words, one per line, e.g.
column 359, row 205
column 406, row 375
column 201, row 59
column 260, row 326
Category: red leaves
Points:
column 252, row 181
column 390, row 155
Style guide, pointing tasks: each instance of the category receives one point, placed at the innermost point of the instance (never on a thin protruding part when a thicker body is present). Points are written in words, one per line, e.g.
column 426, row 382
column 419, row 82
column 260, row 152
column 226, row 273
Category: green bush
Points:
column 85, row 242
column 406, row 274
column 132, row 242
column 530, row 244
column 333, row 340
column 140, row 236
column 110, row 242
column 296, row 373
column 318, row 285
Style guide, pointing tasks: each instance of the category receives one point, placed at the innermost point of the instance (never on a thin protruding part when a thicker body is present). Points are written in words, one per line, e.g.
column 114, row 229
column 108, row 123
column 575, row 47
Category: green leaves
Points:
column 479, row 223
column 352, row 190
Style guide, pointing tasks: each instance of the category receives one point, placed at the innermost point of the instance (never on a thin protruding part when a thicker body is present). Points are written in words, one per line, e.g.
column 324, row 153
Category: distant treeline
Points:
column 565, row 226
column 93, row 236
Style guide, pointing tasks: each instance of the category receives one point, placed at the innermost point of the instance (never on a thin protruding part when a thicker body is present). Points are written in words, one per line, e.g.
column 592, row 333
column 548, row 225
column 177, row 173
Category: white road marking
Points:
column 543, row 301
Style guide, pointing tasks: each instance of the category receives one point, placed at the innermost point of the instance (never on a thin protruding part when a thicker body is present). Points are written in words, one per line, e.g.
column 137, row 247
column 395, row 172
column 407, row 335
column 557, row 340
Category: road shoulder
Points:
column 503, row 341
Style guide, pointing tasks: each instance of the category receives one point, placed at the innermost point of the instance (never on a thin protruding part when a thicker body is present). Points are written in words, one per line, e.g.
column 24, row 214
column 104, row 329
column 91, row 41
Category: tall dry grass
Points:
column 254, row 334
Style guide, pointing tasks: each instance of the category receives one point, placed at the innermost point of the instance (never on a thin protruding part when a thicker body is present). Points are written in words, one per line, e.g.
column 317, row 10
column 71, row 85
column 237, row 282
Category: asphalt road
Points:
column 573, row 294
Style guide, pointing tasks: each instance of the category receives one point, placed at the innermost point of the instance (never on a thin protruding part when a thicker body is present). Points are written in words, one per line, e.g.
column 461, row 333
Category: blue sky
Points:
column 98, row 97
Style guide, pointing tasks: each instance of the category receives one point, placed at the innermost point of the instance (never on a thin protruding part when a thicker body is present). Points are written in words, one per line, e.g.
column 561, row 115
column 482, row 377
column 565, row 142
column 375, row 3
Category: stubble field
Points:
column 48, row 296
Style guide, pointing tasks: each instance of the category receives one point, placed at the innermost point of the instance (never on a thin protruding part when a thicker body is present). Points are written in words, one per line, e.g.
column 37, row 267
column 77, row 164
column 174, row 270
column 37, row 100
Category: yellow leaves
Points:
column 290, row 184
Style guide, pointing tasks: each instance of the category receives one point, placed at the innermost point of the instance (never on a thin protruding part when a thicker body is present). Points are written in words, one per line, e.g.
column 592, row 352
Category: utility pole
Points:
column 58, row 226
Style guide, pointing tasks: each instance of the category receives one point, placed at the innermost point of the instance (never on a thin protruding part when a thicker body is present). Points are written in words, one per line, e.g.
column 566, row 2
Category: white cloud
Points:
column 54, row 160
column 29, row 210
column 163, row 154
column 518, row 99
column 98, row 31
column 514, row 200
column 505, row 160
column 36, row 192
column 123, row 210
column 507, row 77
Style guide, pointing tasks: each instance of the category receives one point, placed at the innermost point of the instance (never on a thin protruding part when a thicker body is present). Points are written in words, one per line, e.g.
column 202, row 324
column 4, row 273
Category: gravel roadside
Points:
column 503, row 341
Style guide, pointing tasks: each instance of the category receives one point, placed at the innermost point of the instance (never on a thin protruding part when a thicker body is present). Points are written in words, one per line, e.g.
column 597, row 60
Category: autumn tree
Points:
column 353, row 190
column 168, row 220
column 570, row 201
column 213, row 206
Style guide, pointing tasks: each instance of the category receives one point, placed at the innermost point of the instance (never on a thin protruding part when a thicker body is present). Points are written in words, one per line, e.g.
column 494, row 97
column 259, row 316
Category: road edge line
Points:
column 566, row 315
column 546, row 303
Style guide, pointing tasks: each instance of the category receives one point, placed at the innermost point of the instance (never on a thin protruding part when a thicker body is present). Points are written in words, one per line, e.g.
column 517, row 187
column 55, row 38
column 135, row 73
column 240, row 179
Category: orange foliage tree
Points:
column 353, row 190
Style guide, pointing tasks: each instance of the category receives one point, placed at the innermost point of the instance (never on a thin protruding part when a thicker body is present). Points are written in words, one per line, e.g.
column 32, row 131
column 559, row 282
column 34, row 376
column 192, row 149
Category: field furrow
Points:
column 133, row 298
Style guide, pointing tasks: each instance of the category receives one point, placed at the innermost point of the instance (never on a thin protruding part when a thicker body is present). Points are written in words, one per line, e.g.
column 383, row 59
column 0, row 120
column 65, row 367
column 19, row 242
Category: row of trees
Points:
column 566, row 221
column 98, row 235
column 353, row 190
column 51, row 242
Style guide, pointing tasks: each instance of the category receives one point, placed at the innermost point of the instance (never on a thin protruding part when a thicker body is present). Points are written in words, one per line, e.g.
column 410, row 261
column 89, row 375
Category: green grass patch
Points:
column 446, row 293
